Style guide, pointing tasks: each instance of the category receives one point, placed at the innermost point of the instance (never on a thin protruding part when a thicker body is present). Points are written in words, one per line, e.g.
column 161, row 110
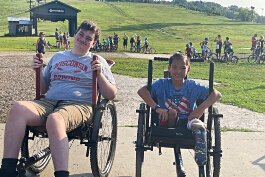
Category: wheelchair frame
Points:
column 91, row 135
column 150, row 134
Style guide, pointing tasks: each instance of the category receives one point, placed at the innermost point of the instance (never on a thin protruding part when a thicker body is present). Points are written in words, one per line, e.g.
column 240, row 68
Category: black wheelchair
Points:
column 99, row 137
column 150, row 135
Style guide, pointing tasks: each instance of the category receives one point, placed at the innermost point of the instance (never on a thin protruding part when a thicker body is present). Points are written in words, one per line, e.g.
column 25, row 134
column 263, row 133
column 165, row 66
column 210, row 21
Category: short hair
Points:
column 90, row 26
column 179, row 56
column 41, row 33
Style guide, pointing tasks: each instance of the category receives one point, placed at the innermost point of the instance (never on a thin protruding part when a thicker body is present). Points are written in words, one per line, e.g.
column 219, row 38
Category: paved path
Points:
column 243, row 156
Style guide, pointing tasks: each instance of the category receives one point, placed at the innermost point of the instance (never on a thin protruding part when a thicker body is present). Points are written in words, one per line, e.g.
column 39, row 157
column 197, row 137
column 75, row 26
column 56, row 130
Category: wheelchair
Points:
column 99, row 137
column 150, row 135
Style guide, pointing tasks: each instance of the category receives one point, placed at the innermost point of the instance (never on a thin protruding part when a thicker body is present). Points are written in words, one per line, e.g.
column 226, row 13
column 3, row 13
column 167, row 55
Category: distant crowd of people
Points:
column 62, row 39
column 111, row 43
column 219, row 44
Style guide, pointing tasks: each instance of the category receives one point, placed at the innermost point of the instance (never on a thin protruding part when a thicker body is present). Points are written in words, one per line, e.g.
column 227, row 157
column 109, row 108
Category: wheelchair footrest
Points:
column 170, row 137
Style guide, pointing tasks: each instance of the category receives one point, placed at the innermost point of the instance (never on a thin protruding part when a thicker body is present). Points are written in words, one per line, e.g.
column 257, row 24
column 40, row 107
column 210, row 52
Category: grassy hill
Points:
column 167, row 27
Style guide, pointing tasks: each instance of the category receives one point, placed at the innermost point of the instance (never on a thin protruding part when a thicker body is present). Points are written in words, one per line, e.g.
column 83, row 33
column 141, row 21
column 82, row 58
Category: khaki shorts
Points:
column 74, row 113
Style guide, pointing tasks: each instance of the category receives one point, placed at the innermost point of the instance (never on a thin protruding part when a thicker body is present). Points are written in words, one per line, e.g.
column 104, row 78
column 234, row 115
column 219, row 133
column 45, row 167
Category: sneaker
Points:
column 200, row 147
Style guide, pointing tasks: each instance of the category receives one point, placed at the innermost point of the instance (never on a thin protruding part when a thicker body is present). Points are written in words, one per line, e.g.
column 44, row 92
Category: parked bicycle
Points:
column 229, row 57
column 257, row 57
column 149, row 50
column 210, row 55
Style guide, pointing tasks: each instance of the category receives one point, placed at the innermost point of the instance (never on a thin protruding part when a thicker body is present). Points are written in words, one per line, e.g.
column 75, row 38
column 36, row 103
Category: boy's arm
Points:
column 212, row 98
column 146, row 96
column 107, row 89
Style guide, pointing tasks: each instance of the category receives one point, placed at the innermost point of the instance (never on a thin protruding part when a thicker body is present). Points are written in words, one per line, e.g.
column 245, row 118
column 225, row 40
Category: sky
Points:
column 258, row 4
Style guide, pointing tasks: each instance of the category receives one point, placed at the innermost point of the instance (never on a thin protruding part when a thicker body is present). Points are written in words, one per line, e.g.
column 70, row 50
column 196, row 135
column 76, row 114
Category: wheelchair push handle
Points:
column 94, row 84
column 38, row 71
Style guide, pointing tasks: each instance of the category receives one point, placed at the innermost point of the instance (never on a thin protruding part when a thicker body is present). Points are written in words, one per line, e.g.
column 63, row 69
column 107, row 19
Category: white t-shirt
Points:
column 69, row 76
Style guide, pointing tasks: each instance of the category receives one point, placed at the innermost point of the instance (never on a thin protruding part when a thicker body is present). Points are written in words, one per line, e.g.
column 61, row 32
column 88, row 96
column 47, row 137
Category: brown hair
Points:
column 41, row 33
column 179, row 56
column 90, row 26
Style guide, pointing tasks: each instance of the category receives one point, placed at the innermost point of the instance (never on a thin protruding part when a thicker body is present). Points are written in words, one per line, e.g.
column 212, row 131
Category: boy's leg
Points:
column 199, row 131
column 66, row 117
column 21, row 114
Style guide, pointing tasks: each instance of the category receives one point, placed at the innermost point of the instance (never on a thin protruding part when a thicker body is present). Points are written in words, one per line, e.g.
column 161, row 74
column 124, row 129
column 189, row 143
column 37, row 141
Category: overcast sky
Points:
column 258, row 4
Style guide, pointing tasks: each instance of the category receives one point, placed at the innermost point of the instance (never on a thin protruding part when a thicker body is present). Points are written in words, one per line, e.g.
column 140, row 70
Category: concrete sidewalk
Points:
column 243, row 156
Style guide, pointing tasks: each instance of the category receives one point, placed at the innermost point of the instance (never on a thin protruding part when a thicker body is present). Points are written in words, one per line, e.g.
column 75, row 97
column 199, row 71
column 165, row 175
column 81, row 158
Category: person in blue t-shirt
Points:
column 174, row 100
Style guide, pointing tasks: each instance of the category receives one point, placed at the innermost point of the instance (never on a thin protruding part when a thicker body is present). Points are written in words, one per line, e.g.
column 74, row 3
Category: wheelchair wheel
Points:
column 32, row 145
column 140, row 141
column 214, row 149
column 104, row 135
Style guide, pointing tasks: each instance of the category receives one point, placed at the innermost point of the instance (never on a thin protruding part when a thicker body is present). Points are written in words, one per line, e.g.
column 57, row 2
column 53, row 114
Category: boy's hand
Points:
column 37, row 61
column 96, row 66
column 196, row 113
column 163, row 116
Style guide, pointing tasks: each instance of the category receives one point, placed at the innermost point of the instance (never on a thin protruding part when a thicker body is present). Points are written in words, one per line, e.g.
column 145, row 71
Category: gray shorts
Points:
column 74, row 113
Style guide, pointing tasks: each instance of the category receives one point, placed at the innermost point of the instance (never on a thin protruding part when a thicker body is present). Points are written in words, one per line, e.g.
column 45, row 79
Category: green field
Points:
column 168, row 29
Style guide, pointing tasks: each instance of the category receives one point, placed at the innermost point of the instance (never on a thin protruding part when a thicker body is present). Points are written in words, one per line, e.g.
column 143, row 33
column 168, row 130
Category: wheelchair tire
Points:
column 140, row 141
column 104, row 136
column 213, row 165
column 32, row 146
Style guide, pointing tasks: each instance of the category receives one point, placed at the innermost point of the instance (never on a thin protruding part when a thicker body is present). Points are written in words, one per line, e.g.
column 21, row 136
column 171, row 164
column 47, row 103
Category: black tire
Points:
column 262, row 59
column 252, row 58
column 212, row 57
column 213, row 165
column 152, row 51
column 142, row 50
column 234, row 59
column 140, row 141
column 132, row 49
column 104, row 137
column 31, row 147
column 223, row 59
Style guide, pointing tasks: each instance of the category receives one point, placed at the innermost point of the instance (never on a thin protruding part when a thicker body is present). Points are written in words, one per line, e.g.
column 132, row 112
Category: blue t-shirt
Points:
column 182, row 100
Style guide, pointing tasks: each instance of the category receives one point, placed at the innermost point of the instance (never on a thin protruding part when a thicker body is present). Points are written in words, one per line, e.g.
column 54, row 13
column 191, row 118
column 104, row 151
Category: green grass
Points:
column 225, row 129
column 167, row 27
column 242, row 85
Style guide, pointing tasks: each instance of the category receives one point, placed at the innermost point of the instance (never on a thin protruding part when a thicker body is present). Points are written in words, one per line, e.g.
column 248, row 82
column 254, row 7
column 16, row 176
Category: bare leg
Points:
column 21, row 114
column 58, row 141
